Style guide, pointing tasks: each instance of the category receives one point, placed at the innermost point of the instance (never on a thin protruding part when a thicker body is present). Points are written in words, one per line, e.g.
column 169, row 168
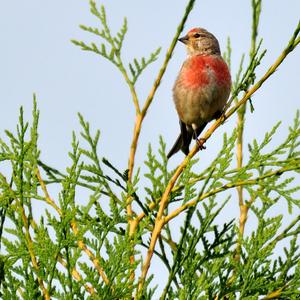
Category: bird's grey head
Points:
column 200, row 42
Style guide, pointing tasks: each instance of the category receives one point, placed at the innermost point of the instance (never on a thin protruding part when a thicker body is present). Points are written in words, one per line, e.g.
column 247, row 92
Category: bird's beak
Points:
column 184, row 39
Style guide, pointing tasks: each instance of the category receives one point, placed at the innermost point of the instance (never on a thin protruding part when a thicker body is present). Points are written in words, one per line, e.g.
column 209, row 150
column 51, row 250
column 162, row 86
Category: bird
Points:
column 201, row 89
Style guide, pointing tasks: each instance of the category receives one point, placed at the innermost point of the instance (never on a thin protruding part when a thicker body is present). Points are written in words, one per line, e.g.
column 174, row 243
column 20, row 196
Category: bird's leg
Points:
column 220, row 114
column 200, row 141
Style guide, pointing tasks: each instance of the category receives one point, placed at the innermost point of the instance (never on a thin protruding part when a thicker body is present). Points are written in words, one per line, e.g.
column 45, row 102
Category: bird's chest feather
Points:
column 204, row 71
column 201, row 89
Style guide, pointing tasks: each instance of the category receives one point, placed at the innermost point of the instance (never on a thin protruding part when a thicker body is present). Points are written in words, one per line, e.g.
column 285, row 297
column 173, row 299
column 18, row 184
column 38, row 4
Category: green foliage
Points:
column 201, row 263
column 84, row 242
column 111, row 50
column 51, row 238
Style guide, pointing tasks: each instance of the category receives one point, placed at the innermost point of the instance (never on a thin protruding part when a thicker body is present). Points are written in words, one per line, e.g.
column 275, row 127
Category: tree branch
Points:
column 160, row 219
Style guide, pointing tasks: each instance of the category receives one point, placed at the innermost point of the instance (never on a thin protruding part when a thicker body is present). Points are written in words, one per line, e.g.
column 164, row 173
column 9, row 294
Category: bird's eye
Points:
column 196, row 35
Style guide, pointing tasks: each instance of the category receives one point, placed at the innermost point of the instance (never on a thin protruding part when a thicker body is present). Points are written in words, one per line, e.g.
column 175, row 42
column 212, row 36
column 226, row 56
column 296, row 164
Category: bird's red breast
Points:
column 200, row 70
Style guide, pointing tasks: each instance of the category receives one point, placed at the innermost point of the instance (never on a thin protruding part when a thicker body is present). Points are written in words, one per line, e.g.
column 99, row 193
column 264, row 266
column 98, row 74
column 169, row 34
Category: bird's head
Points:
column 200, row 41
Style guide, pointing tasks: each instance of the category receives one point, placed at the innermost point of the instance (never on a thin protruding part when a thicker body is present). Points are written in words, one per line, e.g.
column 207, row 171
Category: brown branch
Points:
column 244, row 208
column 47, row 196
column 227, row 186
column 89, row 253
column 239, row 155
column 136, row 134
column 158, row 223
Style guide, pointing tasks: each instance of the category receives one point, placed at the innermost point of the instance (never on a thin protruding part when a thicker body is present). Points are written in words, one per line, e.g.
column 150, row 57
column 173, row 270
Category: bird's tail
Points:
column 184, row 139
column 181, row 144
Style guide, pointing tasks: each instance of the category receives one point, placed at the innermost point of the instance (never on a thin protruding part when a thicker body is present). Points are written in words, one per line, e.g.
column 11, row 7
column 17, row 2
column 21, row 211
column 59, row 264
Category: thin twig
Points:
column 227, row 186
column 130, row 85
column 244, row 208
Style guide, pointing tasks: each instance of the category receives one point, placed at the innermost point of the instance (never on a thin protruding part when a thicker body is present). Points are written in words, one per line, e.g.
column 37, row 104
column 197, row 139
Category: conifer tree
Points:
column 103, row 246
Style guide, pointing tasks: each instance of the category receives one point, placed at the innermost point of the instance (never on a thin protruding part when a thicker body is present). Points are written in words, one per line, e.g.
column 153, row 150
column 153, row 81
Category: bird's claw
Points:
column 220, row 114
column 200, row 143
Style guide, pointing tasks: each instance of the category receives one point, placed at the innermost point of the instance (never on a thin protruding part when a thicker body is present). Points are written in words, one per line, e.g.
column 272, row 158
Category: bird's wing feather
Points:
column 182, row 142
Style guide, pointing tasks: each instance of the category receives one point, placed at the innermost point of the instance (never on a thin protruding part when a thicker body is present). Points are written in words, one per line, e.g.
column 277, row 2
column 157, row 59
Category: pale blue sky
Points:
column 38, row 57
